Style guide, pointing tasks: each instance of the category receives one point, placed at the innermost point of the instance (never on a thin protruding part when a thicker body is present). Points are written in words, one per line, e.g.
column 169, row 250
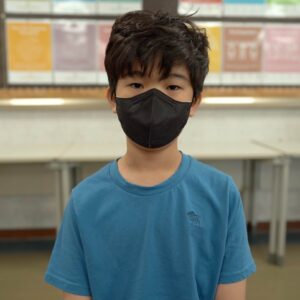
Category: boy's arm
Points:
column 232, row 291
column 67, row 296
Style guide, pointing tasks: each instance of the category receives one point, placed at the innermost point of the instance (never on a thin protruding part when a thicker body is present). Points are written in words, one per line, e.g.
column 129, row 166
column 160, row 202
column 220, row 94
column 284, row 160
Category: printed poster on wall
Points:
column 244, row 7
column 75, row 7
column 39, row 6
column 27, row 6
column 242, row 52
column 117, row 7
column 214, row 33
column 104, row 33
column 29, row 51
column 16, row 6
column 75, row 53
column 283, row 8
column 200, row 7
column 281, row 54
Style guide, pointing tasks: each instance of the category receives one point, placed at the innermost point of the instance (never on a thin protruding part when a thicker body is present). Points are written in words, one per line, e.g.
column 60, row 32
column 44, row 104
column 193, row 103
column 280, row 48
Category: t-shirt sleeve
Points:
column 67, row 266
column 238, row 263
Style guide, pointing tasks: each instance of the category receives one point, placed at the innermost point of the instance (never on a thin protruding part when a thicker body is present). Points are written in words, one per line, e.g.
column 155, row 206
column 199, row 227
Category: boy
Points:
column 155, row 224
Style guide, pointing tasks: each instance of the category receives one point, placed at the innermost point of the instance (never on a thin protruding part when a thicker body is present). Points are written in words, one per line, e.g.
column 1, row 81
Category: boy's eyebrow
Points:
column 176, row 75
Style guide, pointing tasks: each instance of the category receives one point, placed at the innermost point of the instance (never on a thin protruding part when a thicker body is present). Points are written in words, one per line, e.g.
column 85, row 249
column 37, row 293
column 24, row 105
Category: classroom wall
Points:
column 27, row 198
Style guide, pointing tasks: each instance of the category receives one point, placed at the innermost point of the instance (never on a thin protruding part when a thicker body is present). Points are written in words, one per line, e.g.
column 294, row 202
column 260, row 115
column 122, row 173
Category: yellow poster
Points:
column 215, row 53
column 29, row 46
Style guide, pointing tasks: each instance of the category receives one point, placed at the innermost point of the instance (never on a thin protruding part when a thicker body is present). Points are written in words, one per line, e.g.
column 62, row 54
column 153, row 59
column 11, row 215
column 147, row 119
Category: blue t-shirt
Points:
column 176, row 240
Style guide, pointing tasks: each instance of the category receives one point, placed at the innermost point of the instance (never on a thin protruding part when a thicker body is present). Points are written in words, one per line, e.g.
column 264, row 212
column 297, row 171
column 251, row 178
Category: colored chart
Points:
column 28, row 6
column 74, row 7
column 216, row 8
column 287, row 2
column 116, row 7
column 200, row 7
column 29, row 52
column 82, row 7
column 74, row 45
column 283, row 8
column 244, row 7
column 281, row 54
column 242, row 51
column 16, row 6
column 39, row 6
column 104, row 33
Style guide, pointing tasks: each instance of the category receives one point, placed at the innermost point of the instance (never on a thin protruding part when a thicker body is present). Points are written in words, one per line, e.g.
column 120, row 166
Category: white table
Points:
column 64, row 158
column 39, row 153
column 77, row 153
column 281, row 165
column 47, row 154
column 228, row 150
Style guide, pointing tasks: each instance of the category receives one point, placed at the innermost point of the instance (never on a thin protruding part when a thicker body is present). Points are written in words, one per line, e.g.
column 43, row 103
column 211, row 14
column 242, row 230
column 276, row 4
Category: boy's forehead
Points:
column 156, row 69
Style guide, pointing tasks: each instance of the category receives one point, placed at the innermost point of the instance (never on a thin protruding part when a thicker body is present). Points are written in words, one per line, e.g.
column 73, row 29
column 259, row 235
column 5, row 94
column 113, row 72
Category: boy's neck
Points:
column 165, row 159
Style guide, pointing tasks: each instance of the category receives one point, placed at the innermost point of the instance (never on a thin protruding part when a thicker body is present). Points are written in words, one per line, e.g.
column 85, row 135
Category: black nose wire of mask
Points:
column 143, row 95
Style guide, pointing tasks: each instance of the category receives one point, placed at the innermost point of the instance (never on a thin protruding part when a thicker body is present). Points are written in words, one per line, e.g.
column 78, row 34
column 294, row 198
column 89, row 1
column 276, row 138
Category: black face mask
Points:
column 152, row 119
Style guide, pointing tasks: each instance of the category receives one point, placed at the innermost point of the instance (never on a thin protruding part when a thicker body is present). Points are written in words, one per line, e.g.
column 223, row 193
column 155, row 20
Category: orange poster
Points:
column 214, row 34
column 215, row 54
column 29, row 46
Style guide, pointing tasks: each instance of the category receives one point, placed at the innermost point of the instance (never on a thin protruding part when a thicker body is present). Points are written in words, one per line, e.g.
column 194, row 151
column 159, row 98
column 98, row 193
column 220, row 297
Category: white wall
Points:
column 27, row 191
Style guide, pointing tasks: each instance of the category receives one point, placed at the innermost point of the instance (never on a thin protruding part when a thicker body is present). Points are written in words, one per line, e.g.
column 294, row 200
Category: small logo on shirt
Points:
column 193, row 218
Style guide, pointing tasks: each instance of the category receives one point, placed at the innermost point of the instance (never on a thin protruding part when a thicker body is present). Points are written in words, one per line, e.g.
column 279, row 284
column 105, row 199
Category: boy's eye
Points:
column 173, row 87
column 135, row 85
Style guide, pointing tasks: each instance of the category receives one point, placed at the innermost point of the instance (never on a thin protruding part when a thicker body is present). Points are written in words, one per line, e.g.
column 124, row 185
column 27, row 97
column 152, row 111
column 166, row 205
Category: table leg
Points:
column 283, row 204
column 248, row 194
column 64, row 182
column 277, row 241
column 59, row 208
column 274, row 212
column 55, row 166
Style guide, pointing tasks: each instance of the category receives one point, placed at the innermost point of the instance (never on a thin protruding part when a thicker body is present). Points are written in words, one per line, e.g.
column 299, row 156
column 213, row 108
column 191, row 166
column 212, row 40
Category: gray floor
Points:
column 21, row 276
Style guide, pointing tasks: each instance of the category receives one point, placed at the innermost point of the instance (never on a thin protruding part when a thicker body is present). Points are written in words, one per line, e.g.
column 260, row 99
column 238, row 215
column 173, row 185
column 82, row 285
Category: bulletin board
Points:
column 58, row 52
column 241, row 8
column 38, row 39
column 241, row 54
column 200, row 7
column 72, row 7
column 254, row 54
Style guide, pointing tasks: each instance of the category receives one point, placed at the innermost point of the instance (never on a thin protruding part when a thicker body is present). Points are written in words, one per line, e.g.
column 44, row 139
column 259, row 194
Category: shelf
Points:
column 100, row 92
column 50, row 92
column 213, row 97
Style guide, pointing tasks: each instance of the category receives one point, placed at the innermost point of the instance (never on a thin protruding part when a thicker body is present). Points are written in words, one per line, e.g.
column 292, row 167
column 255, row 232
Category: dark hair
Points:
column 143, row 36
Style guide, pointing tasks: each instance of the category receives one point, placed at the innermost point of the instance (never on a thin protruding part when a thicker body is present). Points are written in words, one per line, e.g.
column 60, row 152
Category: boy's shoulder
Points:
column 206, row 177
column 93, row 184
column 207, row 172
column 211, row 181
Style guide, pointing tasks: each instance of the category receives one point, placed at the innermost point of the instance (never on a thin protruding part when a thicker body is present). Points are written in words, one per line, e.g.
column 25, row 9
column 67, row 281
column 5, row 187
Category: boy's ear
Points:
column 111, row 100
column 195, row 105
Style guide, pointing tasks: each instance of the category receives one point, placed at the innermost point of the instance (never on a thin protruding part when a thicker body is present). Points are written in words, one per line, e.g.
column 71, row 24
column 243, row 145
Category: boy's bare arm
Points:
column 232, row 291
column 67, row 296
